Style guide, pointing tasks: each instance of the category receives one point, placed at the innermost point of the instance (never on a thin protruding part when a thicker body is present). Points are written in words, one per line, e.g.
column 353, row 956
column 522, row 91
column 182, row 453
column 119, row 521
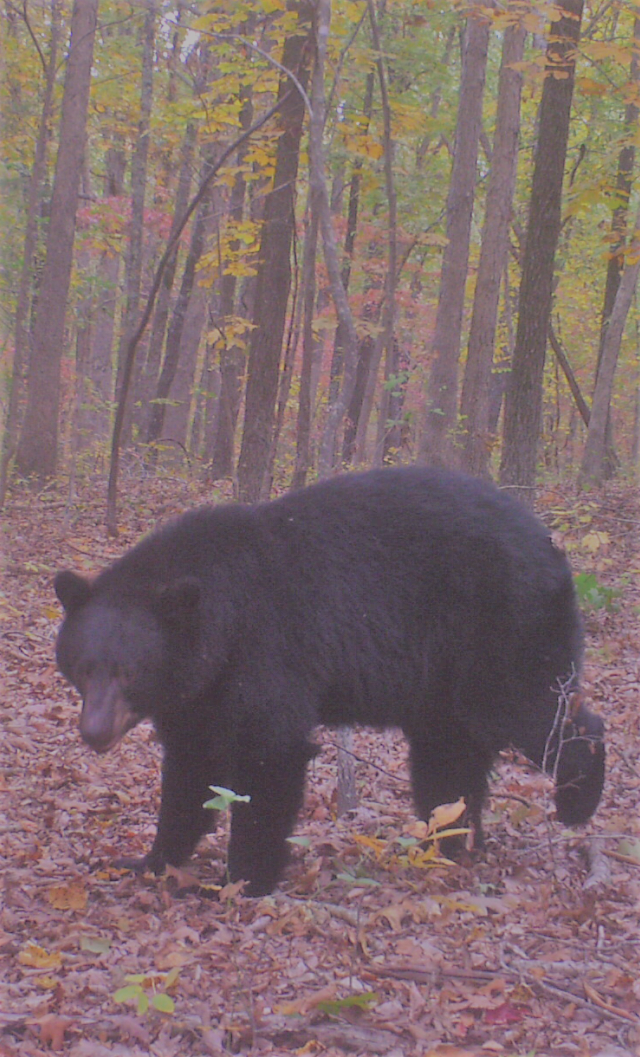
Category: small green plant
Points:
column 149, row 991
column 593, row 595
column 224, row 799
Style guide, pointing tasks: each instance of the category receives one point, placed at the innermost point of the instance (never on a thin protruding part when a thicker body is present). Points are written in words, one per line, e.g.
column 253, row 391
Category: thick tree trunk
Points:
column 274, row 280
column 37, row 450
column 437, row 442
column 523, row 401
column 474, row 402
column 21, row 346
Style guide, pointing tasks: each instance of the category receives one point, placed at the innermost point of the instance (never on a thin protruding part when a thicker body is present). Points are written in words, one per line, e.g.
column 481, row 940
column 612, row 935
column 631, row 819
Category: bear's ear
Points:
column 180, row 599
column 72, row 590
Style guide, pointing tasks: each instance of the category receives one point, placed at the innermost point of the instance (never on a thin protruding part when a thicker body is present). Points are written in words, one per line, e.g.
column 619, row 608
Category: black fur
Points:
column 412, row 598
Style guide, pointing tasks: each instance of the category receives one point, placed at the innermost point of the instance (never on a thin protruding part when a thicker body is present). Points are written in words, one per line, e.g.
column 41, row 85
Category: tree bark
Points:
column 174, row 337
column 133, row 263
column 177, row 416
column 337, row 360
column 438, row 442
column 151, row 370
column 615, row 264
column 231, row 352
column 593, row 467
column 21, row 346
column 523, row 400
column 337, row 408
column 389, row 307
column 303, row 430
column 98, row 417
column 474, row 401
column 274, row 278
column 37, row 450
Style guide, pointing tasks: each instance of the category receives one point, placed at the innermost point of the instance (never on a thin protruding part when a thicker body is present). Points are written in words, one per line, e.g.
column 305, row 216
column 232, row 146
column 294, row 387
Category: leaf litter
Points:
column 374, row 943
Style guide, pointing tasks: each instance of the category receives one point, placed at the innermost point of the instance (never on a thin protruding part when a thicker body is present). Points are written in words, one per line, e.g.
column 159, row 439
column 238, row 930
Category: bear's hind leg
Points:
column 445, row 767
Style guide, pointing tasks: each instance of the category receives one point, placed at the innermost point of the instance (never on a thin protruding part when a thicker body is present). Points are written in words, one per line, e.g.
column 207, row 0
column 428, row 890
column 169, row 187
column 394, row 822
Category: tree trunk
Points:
column 178, row 409
column 474, row 402
column 438, row 443
column 174, row 337
column 37, row 450
column 111, row 516
column 108, row 269
column 523, row 400
column 593, row 467
column 337, row 360
column 389, row 307
column 151, row 369
column 338, row 407
column 274, row 278
column 231, row 351
column 615, row 263
column 303, row 430
column 357, row 414
column 133, row 264
column 21, row 346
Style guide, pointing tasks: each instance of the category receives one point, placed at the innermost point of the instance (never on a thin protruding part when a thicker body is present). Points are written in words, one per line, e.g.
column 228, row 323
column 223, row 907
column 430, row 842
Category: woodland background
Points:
column 463, row 173
column 246, row 245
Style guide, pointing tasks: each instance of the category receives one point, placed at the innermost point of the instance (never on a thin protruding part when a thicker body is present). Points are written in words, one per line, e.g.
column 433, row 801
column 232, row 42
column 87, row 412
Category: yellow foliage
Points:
column 35, row 957
column 68, row 897
column 594, row 541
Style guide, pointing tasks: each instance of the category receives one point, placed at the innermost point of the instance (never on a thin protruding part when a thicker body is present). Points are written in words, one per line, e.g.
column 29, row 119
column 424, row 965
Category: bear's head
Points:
column 120, row 650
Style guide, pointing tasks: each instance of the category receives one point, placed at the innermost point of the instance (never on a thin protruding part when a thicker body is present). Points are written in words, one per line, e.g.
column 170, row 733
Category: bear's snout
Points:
column 106, row 715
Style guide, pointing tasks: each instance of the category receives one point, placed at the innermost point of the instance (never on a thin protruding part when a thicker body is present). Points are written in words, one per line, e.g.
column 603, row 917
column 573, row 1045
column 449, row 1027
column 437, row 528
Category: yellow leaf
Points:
column 46, row 983
column 445, row 815
column 593, row 541
column 38, row 958
column 378, row 846
column 68, row 897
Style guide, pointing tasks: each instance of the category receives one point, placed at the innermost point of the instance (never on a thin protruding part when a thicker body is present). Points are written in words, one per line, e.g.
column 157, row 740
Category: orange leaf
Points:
column 52, row 1029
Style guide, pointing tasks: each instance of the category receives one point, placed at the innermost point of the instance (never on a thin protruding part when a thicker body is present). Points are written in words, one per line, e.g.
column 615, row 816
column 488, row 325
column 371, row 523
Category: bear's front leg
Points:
column 186, row 780
column 258, row 849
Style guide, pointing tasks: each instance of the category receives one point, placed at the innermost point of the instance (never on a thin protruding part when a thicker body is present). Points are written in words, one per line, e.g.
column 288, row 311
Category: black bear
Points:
column 412, row 598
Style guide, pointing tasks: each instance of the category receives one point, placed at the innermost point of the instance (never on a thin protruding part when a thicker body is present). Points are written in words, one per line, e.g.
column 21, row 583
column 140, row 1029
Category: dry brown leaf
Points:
column 308, row 1002
column 52, row 1030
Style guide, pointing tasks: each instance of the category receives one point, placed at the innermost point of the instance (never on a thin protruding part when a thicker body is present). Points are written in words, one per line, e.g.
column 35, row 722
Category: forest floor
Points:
column 366, row 947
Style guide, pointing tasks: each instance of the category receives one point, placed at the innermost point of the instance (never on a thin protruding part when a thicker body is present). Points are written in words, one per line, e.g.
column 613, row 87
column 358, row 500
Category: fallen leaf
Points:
column 445, row 815
column 52, row 1030
column 68, row 897
column 38, row 958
